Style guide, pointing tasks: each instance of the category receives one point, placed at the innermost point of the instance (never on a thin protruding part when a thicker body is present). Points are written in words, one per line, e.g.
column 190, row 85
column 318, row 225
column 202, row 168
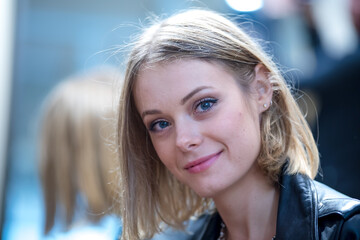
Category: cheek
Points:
column 164, row 151
column 230, row 123
column 240, row 129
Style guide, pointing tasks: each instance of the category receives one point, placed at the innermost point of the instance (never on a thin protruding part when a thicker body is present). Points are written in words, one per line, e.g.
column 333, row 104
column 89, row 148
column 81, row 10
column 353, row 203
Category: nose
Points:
column 188, row 136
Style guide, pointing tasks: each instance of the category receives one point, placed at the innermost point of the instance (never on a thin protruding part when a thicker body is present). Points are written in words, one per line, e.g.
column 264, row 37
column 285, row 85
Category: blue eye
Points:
column 163, row 124
column 205, row 105
column 159, row 125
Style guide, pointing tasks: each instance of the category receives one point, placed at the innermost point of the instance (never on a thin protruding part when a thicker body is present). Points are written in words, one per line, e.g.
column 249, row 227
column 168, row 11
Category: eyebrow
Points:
column 182, row 102
column 192, row 93
column 149, row 112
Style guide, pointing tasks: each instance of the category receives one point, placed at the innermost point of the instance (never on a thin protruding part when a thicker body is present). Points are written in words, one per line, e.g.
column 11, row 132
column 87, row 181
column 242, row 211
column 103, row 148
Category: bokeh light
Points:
column 245, row 5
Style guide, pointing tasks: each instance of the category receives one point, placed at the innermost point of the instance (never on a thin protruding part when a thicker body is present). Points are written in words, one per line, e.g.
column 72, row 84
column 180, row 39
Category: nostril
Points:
column 192, row 145
column 187, row 144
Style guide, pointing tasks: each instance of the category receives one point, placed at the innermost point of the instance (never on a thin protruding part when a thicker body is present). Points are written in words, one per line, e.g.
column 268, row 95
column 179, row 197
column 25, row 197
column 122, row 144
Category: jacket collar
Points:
column 298, row 208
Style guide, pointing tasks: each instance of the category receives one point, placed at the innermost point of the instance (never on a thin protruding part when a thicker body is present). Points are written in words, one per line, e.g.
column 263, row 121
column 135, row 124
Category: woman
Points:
column 210, row 129
column 77, row 165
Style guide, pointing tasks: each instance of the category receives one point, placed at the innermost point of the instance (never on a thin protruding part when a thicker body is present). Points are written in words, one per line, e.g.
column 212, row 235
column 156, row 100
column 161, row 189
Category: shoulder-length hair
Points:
column 151, row 195
column 77, row 164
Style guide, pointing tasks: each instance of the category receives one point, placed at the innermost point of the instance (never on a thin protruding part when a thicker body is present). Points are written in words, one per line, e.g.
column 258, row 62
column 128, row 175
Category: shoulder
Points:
column 324, row 213
column 327, row 200
column 331, row 201
column 337, row 211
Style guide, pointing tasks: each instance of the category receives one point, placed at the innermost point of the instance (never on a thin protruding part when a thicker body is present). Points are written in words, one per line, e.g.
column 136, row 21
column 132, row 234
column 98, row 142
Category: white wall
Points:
column 7, row 26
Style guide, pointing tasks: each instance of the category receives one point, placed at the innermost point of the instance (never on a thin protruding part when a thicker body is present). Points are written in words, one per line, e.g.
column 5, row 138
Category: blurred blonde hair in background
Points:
column 77, row 159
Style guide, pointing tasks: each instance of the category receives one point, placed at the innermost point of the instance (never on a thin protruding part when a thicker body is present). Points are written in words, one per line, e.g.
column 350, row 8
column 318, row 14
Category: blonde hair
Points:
column 151, row 195
column 76, row 161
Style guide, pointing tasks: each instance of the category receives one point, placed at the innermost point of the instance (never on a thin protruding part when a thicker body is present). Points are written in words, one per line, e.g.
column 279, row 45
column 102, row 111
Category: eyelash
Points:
column 198, row 104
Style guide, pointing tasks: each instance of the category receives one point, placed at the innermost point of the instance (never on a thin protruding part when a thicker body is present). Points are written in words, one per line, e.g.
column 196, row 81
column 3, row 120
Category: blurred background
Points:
column 42, row 42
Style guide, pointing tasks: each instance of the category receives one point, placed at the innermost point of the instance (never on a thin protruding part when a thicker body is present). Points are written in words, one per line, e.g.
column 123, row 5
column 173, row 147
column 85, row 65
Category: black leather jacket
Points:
column 308, row 210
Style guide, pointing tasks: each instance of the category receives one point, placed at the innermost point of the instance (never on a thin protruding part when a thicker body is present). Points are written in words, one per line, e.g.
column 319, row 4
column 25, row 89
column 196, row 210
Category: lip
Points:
column 202, row 164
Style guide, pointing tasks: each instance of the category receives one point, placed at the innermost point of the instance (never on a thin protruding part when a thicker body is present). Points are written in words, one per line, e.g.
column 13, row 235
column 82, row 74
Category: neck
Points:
column 249, row 207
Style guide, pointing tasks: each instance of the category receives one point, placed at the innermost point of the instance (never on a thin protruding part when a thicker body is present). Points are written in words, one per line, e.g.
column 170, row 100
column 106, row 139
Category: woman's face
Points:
column 204, row 128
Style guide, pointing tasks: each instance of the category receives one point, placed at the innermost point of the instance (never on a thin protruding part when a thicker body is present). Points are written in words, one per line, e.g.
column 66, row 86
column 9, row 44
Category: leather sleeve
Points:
column 351, row 228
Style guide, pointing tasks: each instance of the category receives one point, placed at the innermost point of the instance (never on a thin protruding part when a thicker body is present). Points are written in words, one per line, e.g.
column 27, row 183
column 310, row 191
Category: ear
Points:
column 262, row 88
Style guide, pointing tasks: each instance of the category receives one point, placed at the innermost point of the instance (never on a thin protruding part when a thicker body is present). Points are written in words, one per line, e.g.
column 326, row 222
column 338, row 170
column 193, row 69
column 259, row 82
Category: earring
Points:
column 265, row 105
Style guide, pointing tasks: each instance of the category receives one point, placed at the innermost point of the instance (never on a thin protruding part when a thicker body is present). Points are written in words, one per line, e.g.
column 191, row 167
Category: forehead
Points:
column 183, row 74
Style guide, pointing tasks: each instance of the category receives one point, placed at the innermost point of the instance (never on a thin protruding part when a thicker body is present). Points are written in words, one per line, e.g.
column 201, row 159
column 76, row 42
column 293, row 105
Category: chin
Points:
column 204, row 195
column 205, row 192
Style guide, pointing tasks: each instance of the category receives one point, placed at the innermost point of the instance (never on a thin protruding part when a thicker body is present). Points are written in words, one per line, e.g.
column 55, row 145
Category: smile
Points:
column 202, row 164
